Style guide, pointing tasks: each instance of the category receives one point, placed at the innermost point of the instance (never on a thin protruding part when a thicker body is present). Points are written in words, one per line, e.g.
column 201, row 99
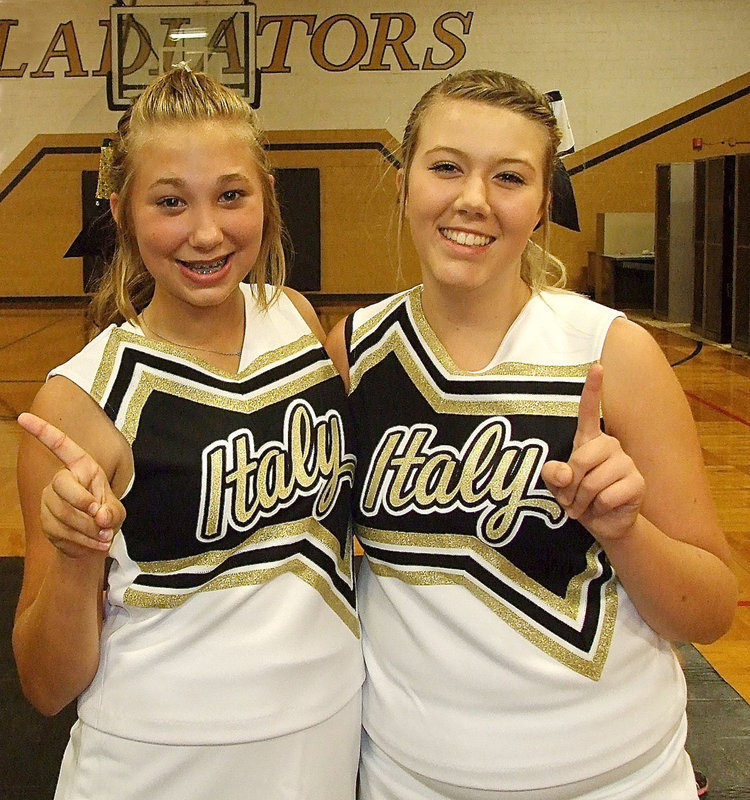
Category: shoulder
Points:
column 83, row 366
column 632, row 355
column 639, row 386
column 629, row 346
column 67, row 401
column 559, row 328
column 283, row 305
column 644, row 406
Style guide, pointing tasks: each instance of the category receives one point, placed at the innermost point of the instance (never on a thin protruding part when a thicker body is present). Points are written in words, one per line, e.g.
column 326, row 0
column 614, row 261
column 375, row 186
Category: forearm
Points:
column 56, row 637
column 683, row 592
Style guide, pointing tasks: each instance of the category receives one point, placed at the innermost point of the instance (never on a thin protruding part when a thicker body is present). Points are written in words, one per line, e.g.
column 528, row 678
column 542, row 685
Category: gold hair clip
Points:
column 105, row 184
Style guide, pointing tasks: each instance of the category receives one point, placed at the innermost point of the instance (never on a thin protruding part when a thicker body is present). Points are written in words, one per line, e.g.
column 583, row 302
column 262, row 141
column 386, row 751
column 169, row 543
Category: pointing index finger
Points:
column 589, row 408
column 72, row 455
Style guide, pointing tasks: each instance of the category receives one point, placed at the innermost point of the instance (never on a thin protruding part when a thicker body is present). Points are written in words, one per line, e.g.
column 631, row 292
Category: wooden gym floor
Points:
column 716, row 382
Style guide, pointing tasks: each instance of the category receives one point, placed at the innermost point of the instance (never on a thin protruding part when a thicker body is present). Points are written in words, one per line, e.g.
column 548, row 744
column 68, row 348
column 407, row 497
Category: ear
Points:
column 114, row 207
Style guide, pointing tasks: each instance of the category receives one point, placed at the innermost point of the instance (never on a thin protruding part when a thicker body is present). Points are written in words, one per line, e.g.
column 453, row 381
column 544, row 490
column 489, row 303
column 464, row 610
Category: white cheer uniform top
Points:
column 500, row 649
column 230, row 610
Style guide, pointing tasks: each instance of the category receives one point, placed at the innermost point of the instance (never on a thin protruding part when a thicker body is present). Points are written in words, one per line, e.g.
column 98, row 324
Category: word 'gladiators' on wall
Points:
column 336, row 44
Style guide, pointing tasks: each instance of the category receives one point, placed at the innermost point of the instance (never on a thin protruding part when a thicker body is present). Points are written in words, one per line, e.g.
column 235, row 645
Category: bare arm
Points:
column 642, row 491
column 69, row 518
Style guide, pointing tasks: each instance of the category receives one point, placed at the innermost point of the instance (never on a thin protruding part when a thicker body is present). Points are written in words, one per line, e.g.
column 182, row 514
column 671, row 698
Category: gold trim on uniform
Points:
column 251, row 577
column 441, row 401
column 147, row 380
column 366, row 327
column 144, row 381
column 570, row 606
column 541, row 405
column 309, row 527
column 252, row 574
column 515, row 369
column 119, row 337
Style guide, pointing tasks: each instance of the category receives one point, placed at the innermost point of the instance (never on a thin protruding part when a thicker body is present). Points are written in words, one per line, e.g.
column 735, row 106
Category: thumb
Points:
column 109, row 513
column 104, row 516
column 557, row 474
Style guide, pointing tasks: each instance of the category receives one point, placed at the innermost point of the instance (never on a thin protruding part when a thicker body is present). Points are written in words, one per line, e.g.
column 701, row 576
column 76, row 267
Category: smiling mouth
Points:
column 468, row 239
column 205, row 267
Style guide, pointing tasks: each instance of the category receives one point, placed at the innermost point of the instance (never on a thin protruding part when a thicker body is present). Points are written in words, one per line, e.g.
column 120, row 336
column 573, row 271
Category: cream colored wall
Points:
column 625, row 233
column 617, row 62
column 625, row 67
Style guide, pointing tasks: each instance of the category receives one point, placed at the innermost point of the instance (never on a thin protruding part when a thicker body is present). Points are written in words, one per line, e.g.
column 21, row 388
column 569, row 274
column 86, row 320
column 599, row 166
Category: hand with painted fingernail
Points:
column 599, row 485
column 79, row 512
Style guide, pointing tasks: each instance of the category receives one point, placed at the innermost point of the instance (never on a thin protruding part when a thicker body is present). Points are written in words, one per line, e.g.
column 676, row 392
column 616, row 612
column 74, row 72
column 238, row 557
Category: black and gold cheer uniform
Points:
column 501, row 651
column 231, row 611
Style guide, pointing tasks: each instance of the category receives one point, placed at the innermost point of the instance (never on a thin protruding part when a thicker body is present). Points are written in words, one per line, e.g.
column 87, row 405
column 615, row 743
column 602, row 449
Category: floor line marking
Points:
column 721, row 410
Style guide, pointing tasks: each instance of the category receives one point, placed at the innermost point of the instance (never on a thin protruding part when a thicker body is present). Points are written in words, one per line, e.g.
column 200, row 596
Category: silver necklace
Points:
column 184, row 346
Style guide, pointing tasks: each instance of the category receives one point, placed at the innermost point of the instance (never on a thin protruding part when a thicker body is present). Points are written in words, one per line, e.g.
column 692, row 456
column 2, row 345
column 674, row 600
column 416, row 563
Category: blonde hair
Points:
column 539, row 269
column 178, row 96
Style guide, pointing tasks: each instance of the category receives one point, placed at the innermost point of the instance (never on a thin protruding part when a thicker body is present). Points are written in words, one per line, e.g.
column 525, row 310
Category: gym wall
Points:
column 640, row 80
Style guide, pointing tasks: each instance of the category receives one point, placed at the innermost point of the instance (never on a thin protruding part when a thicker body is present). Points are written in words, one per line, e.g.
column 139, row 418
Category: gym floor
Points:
column 716, row 381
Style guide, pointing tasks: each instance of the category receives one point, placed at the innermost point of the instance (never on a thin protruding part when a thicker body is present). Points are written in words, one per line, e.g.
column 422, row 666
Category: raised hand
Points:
column 599, row 485
column 79, row 511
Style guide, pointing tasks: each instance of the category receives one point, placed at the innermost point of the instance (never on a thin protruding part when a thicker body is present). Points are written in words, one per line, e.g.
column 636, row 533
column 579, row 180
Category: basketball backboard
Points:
column 147, row 40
